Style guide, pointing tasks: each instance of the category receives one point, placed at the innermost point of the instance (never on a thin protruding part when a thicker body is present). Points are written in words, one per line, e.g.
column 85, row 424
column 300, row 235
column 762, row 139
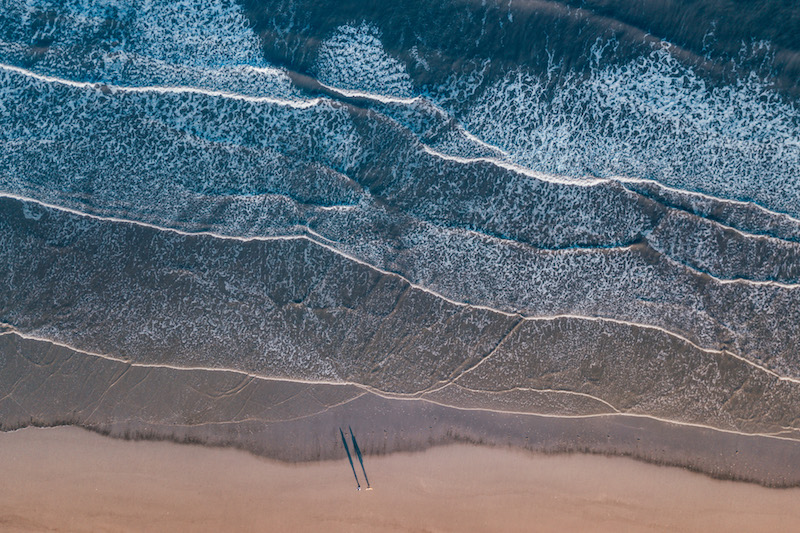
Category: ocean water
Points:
column 523, row 207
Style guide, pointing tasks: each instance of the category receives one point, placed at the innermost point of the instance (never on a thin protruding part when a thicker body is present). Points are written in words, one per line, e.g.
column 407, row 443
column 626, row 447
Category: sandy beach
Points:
column 69, row 479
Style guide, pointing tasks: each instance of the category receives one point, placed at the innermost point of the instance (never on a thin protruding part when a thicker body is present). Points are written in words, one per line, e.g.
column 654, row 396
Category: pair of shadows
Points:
column 350, row 457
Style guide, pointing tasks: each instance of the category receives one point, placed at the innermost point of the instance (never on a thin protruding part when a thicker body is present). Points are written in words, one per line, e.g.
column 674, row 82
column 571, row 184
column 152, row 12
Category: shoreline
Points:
column 414, row 447
column 294, row 421
column 75, row 479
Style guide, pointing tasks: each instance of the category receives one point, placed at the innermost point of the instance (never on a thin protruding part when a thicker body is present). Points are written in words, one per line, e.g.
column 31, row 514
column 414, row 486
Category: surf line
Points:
column 314, row 237
column 159, row 89
column 350, row 458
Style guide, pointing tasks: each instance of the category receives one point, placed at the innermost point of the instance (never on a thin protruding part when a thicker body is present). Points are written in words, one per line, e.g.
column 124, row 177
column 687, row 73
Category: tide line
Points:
column 390, row 396
column 530, row 389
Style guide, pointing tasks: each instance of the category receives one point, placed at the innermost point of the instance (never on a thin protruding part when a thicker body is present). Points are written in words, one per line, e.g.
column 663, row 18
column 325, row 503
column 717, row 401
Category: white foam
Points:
column 299, row 104
column 354, row 59
column 652, row 118
column 518, row 169
column 203, row 43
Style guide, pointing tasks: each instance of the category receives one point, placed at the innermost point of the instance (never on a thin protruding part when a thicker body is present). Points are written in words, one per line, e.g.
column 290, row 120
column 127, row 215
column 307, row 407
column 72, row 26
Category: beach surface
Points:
column 69, row 479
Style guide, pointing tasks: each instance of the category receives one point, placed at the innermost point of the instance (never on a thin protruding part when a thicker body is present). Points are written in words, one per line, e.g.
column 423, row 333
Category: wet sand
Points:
column 69, row 479
column 293, row 421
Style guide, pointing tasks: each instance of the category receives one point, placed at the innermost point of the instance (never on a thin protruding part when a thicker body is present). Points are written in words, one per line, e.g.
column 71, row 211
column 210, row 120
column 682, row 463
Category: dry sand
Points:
column 68, row 479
